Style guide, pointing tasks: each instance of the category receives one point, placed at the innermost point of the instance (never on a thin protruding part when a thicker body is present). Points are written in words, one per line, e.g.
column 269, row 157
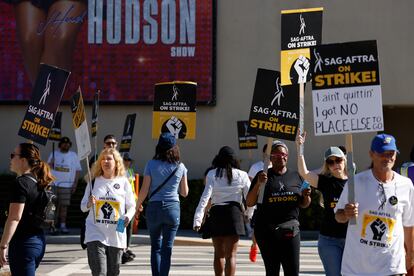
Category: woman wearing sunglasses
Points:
column 330, row 182
column 279, row 194
column 22, row 235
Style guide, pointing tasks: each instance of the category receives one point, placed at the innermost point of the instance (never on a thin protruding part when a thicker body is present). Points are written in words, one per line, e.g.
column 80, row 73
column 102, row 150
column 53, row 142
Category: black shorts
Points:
column 227, row 220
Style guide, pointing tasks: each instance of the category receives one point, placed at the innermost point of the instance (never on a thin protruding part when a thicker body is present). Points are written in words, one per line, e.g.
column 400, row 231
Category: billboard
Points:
column 123, row 48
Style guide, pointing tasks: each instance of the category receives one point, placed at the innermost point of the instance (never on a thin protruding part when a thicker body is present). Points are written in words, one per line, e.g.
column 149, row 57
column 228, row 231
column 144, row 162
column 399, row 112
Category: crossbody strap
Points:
column 30, row 177
column 244, row 203
column 163, row 183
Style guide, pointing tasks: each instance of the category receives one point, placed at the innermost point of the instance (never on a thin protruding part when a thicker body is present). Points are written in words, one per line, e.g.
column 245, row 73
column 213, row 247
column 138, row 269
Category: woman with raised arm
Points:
column 330, row 182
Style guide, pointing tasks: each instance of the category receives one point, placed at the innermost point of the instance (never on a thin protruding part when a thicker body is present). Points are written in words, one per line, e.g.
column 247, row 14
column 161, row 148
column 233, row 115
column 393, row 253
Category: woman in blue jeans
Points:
column 330, row 182
column 22, row 235
column 164, row 178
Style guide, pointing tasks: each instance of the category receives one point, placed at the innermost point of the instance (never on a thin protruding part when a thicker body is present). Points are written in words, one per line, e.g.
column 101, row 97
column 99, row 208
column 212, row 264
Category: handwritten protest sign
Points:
column 346, row 88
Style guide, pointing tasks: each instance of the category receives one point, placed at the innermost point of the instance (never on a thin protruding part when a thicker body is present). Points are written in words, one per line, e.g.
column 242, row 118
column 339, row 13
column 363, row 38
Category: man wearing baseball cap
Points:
column 384, row 214
column 66, row 168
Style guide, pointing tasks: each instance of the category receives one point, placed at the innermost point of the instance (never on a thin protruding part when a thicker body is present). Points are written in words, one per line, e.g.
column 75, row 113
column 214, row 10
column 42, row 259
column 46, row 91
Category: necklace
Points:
column 393, row 200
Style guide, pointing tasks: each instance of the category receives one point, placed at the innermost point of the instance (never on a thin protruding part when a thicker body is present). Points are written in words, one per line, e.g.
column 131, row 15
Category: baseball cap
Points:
column 383, row 142
column 166, row 141
column 278, row 143
column 65, row 140
column 334, row 151
column 127, row 157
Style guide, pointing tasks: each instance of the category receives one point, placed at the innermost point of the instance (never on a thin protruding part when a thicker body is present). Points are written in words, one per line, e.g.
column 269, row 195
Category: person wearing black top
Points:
column 23, row 238
column 278, row 194
column 330, row 182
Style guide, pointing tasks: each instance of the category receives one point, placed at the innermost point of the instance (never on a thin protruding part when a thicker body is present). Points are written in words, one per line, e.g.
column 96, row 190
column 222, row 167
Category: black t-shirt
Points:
column 331, row 189
column 25, row 190
column 281, row 199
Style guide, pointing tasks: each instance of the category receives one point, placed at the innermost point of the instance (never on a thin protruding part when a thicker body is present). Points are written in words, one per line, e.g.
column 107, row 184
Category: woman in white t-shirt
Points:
column 227, row 185
column 111, row 205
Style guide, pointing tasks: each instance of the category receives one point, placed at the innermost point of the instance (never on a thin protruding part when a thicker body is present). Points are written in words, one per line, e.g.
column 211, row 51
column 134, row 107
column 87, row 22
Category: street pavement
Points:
column 191, row 256
column 70, row 260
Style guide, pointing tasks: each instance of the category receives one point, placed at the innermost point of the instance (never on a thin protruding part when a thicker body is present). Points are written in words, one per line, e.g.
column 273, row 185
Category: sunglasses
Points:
column 110, row 143
column 383, row 197
column 282, row 155
column 334, row 161
column 12, row 155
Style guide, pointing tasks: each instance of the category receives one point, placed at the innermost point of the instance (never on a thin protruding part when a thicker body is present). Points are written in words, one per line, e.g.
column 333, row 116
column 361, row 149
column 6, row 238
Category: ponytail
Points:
column 39, row 168
column 43, row 174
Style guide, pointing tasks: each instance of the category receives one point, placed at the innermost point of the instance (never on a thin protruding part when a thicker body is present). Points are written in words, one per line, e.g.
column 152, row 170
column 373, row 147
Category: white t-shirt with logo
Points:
column 65, row 168
column 114, row 200
column 375, row 245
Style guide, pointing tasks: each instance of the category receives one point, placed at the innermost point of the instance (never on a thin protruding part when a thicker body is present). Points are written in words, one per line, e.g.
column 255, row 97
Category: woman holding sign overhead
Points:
column 111, row 205
column 278, row 193
column 330, row 182
column 164, row 178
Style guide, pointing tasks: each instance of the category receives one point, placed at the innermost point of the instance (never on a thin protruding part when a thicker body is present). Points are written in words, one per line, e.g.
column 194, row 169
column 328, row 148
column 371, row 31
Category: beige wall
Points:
column 248, row 37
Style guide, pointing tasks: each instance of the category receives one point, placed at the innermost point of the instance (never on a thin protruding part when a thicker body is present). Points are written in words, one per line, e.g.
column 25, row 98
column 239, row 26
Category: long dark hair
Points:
column 171, row 155
column 38, row 167
column 225, row 161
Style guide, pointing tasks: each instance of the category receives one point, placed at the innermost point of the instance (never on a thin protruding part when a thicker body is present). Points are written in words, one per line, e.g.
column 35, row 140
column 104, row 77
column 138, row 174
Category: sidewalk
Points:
column 184, row 237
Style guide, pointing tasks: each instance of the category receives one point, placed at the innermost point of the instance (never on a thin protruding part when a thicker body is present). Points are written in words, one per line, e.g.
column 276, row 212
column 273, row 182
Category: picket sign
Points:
column 265, row 168
column 136, row 221
column 301, row 114
column 351, row 172
column 250, row 157
column 90, row 183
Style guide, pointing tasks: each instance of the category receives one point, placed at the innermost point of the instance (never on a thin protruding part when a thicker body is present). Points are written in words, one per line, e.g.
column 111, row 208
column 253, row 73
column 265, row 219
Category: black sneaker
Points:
column 129, row 252
column 126, row 258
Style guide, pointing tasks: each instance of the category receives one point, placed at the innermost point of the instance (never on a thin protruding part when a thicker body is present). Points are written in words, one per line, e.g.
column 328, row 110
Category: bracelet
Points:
column 4, row 246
